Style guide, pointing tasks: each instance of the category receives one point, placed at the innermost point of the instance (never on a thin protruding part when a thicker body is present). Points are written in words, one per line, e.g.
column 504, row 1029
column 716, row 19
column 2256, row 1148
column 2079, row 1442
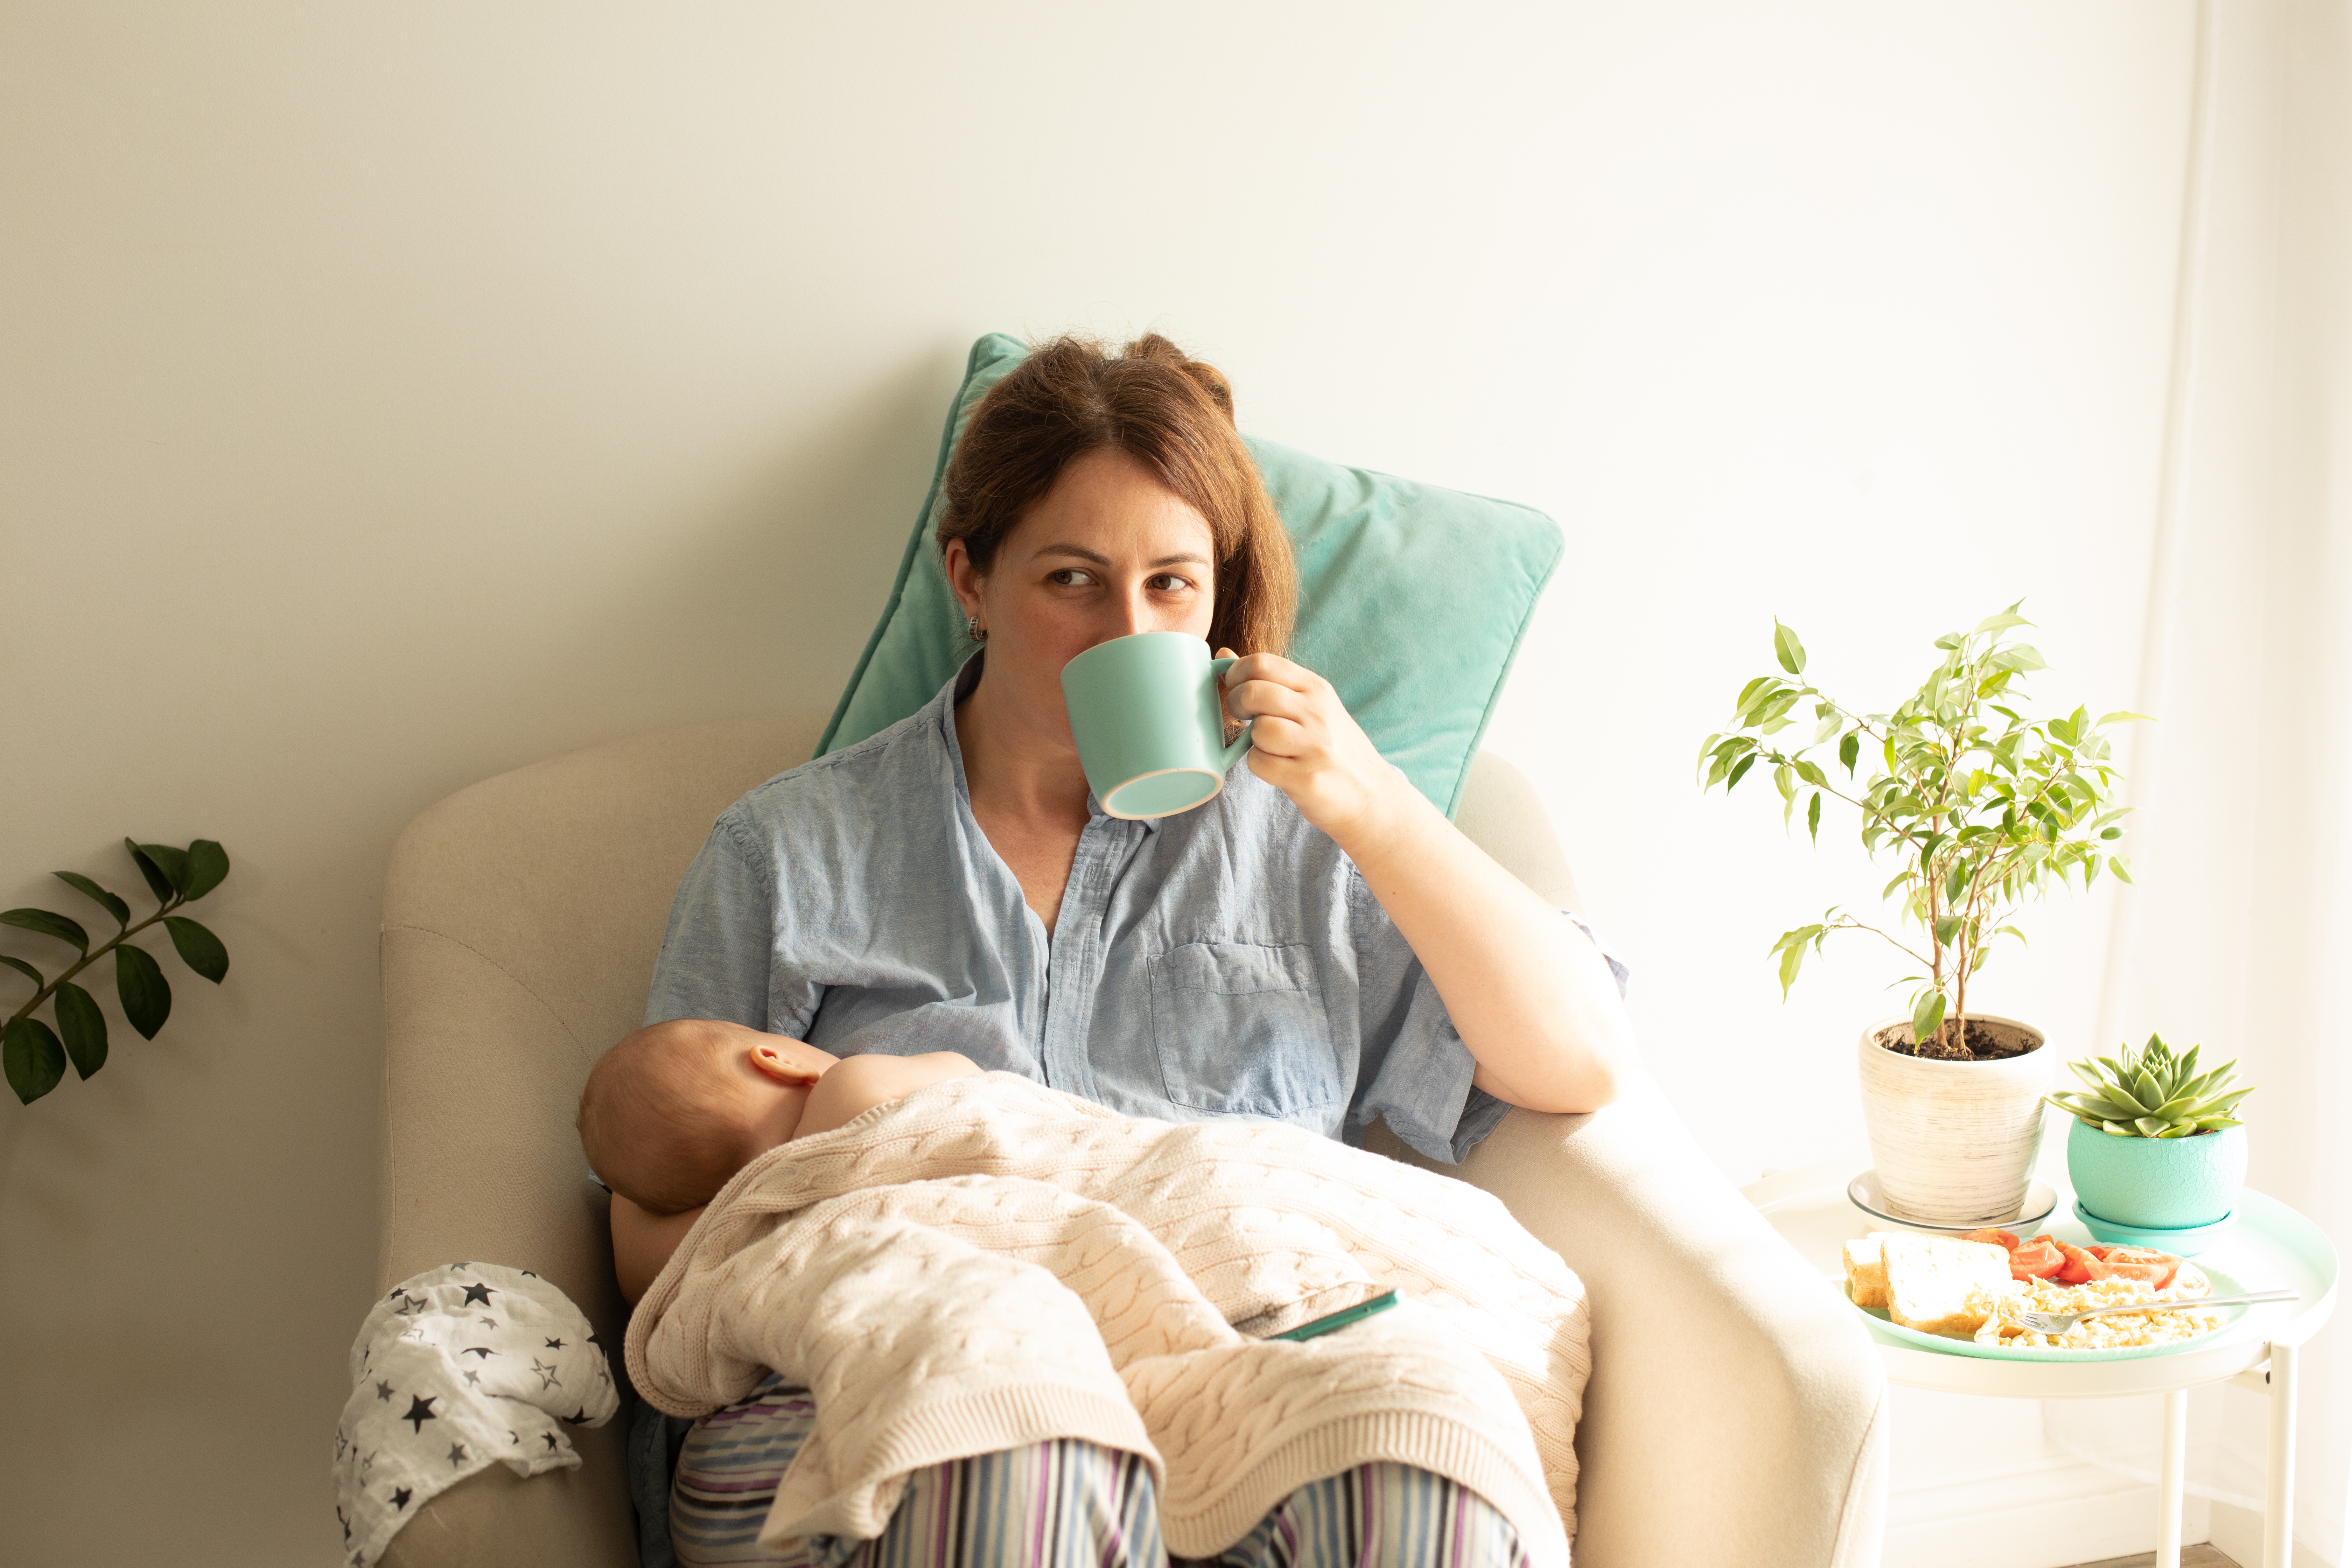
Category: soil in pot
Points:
column 1962, row 1040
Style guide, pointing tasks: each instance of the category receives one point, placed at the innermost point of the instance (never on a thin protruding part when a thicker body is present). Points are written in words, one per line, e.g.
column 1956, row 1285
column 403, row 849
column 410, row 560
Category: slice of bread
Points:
column 1928, row 1278
column 1865, row 1269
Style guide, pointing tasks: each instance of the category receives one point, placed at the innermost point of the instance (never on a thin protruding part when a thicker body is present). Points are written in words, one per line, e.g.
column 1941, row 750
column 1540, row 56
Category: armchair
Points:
column 1735, row 1415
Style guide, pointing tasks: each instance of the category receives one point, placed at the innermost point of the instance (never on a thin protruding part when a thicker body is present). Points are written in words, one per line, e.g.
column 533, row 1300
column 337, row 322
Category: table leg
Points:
column 2171, row 1475
column 2278, row 1503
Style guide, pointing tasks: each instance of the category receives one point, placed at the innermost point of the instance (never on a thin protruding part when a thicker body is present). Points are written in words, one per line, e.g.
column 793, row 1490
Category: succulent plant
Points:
column 2151, row 1093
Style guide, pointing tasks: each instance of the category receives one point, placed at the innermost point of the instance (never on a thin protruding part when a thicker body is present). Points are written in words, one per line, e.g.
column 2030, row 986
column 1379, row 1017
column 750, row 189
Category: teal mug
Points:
column 1149, row 716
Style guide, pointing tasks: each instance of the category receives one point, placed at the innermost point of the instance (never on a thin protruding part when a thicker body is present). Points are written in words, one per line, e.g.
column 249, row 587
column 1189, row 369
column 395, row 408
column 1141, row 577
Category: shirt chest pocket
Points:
column 1240, row 1029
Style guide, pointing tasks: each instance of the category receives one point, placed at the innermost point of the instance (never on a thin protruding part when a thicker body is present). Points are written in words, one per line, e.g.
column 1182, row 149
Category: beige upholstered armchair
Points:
column 1736, row 1416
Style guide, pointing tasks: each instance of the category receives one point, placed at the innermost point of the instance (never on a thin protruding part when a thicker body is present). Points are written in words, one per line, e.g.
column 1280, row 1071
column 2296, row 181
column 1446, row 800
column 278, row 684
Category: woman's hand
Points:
column 1530, row 996
column 1306, row 745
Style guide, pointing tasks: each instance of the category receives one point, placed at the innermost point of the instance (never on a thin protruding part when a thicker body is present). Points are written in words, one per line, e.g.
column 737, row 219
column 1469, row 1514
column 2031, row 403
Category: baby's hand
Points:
column 858, row 1084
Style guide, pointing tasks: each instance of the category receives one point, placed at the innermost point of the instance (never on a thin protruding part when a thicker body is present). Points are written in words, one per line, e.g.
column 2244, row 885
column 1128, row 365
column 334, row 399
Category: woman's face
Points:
column 1108, row 552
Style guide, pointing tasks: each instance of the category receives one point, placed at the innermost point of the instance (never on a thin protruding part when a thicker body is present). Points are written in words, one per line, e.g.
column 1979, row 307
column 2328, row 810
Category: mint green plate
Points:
column 2223, row 1286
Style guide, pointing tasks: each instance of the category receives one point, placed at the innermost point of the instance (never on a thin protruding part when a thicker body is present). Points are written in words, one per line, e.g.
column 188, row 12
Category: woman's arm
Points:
column 1531, row 996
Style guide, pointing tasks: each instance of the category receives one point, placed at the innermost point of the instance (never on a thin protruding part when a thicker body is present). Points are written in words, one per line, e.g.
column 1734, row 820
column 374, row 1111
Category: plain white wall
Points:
column 393, row 396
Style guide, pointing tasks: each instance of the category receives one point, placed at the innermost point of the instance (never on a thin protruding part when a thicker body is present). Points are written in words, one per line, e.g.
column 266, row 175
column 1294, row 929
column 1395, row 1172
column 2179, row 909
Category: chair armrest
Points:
column 1737, row 1414
column 471, row 1055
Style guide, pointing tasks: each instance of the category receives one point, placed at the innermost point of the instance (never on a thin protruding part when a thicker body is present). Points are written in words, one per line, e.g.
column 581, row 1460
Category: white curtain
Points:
column 2240, row 935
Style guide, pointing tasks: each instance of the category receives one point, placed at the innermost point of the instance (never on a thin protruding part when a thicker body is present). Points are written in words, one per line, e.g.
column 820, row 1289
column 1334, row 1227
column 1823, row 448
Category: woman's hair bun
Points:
column 1207, row 377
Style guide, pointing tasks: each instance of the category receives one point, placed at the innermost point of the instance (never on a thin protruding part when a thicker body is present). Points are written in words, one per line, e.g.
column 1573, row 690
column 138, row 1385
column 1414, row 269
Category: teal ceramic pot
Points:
column 2156, row 1183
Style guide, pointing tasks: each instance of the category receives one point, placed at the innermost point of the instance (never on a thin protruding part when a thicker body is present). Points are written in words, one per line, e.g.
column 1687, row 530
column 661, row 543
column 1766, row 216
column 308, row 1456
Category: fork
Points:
column 2059, row 1323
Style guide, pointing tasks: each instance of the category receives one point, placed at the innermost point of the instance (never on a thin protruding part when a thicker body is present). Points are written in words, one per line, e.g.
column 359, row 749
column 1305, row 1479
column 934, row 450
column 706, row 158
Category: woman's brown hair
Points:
column 1170, row 413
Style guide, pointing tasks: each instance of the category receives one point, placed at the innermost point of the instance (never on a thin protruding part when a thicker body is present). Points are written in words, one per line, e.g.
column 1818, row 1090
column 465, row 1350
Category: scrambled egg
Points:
column 2166, row 1320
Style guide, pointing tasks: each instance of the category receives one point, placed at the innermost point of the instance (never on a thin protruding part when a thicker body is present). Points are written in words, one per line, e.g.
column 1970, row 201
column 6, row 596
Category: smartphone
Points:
column 1341, row 1319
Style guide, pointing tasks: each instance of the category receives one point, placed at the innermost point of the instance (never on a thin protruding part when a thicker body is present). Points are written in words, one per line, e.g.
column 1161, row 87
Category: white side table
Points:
column 2269, row 1247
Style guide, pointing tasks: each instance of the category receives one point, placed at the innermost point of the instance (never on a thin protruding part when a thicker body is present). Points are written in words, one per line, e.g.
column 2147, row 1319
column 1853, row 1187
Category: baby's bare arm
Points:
column 642, row 1242
column 860, row 1083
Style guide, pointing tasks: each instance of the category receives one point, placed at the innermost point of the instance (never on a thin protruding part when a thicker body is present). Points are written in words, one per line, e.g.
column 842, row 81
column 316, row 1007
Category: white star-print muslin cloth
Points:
column 458, row 1369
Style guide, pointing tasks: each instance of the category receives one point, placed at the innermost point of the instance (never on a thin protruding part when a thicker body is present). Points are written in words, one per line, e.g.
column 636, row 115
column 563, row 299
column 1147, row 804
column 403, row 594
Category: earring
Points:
column 974, row 630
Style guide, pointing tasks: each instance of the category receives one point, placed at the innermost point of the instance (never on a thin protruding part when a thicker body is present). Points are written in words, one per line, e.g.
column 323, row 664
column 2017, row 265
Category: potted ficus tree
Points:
column 1977, row 807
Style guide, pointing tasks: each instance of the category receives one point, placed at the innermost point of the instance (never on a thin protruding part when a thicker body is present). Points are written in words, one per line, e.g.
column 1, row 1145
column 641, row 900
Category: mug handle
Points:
column 1240, row 744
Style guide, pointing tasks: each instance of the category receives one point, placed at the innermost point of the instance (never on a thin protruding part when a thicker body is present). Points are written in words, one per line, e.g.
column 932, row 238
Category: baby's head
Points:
column 676, row 1109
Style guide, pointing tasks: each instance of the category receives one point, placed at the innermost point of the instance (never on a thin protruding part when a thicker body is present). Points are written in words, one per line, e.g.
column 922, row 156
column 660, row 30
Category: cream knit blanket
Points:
column 988, row 1263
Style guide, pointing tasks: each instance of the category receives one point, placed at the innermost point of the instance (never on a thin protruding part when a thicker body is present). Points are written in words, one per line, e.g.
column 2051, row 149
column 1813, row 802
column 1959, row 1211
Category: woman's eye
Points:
column 1168, row 583
column 1070, row 577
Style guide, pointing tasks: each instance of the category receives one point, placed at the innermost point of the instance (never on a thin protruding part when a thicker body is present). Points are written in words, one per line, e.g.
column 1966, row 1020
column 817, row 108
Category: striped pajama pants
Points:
column 1057, row 1505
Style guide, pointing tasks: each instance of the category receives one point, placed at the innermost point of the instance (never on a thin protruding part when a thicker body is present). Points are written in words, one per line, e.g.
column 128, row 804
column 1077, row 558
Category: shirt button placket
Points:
column 1075, row 962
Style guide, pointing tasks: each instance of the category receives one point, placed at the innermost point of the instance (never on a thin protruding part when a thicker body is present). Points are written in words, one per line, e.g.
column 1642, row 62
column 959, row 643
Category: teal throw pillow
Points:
column 1413, row 600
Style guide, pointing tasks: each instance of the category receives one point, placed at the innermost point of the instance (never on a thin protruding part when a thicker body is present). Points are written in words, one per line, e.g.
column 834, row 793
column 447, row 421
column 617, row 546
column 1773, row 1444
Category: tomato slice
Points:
column 2138, row 1263
column 2082, row 1265
column 1997, row 1237
column 2036, row 1260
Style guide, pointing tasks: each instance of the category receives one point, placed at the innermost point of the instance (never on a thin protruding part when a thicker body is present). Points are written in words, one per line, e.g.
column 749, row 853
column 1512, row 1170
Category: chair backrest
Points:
column 521, row 920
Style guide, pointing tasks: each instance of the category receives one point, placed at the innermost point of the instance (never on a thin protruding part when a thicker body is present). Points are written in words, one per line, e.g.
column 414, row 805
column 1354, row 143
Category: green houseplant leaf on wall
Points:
column 1976, row 808
column 35, row 1054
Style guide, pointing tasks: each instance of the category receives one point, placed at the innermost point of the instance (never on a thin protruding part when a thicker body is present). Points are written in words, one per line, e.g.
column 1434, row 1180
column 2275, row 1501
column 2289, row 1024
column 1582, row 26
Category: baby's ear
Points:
column 774, row 1064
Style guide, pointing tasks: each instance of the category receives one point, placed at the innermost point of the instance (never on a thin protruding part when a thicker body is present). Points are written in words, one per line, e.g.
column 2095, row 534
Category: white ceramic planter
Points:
column 1953, row 1141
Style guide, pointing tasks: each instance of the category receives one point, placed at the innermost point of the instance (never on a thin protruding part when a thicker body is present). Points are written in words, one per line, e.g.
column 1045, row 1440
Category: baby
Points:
column 674, row 1110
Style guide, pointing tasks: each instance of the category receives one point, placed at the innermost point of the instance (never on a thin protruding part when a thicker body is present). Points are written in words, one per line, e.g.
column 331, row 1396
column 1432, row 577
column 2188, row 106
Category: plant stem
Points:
column 117, row 939
column 1852, row 924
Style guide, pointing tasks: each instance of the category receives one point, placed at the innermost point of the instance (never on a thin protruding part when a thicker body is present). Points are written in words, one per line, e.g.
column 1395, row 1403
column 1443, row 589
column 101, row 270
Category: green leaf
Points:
column 146, row 995
column 2121, row 868
column 2121, row 716
column 174, row 863
column 32, row 1058
column 48, row 923
column 1741, row 772
column 2001, row 622
column 1813, row 818
column 1947, row 928
column 200, row 949
column 207, row 865
column 89, row 890
column 157, row 883
column 2019, row 657
column 1787, row 648
column 1927, row 1016
column 84, row 1027
column 1848, row 750
column 2150, row 1126
column 1790, row 960
column 24, row 969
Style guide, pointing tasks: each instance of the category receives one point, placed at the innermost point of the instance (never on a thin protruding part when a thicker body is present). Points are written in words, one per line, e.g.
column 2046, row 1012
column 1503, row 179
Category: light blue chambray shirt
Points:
column 1228, row 961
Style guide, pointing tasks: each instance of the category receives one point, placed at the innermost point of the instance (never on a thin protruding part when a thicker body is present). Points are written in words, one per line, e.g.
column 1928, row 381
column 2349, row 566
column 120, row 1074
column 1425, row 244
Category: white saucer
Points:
column 2041, row 1203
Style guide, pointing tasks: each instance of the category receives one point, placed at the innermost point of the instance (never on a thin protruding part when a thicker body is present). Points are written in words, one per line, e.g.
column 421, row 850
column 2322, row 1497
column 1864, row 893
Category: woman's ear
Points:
column 772, row 1063
column 963, row 577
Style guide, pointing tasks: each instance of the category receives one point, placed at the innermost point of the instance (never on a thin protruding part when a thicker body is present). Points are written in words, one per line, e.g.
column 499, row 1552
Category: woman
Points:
column 1317, row 944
